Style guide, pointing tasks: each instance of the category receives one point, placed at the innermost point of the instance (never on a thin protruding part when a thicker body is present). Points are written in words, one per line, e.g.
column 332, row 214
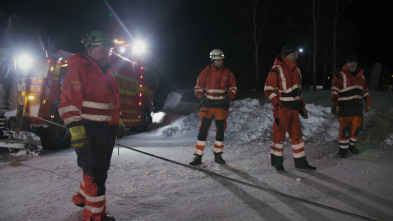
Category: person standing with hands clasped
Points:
column 349, row 89
column 283, row 87
column 215, row 87
column 90, row 108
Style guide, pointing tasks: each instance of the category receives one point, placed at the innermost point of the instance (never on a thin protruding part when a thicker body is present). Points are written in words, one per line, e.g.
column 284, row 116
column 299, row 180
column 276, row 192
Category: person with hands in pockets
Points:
column 283, row 87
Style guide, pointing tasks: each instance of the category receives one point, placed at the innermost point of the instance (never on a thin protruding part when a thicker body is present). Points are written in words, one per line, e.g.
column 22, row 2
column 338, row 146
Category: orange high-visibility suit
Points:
column 348, row 92
column 90, row 96
column 217, row 87
column 283, row 88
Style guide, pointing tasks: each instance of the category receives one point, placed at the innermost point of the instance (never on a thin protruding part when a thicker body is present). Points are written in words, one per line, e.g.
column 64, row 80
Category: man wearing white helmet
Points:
column 215, row 87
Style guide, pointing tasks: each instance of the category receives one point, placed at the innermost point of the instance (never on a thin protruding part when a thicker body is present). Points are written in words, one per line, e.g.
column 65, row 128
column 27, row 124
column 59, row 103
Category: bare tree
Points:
column 316, row 17
column 340, row 6
column 257, row 14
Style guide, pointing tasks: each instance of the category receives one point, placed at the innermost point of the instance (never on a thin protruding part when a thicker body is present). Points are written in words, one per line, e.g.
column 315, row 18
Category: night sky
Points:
column 181, row 33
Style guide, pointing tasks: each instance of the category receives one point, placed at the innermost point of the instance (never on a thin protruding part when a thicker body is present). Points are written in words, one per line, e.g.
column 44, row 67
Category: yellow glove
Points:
column 78, row 136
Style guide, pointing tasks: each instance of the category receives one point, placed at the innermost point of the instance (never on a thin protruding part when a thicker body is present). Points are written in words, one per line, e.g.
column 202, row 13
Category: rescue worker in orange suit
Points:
column 90, row 109
column 349, row 89
column 283, row 88
column 215, row 87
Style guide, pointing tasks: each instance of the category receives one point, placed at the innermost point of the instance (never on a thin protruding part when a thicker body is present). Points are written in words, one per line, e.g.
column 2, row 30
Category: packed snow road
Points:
column 142, row 187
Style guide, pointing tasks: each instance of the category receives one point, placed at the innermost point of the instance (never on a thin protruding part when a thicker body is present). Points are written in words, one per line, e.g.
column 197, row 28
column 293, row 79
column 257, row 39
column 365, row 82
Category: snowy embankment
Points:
column 251, row 120
column 141, row 187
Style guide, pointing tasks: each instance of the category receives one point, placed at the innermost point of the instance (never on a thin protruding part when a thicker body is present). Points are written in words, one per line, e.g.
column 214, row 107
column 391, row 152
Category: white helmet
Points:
column 217, row 54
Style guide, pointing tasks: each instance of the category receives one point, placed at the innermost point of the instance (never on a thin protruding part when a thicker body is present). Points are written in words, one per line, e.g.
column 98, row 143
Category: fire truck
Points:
column 31, row 120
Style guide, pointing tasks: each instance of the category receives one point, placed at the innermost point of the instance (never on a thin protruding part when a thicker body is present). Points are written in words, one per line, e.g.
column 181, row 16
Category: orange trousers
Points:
column 207, row 114
column 349, row 130
column 286, row 121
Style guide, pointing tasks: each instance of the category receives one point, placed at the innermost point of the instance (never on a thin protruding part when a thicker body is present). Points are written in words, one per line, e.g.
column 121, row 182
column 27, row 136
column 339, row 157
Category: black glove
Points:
column 334, row 110
column 204, row 101
column 226, row 101
column 303, row 112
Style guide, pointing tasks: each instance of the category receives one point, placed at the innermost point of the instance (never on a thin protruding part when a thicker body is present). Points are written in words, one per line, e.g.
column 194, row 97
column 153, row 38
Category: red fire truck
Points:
column 37, row 96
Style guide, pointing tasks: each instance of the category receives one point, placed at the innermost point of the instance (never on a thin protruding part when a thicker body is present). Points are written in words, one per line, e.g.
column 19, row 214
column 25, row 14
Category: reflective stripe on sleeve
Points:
column 97, row 105
column 68, row 109
column 272, row 95
column 72, row 119
column 96, row 117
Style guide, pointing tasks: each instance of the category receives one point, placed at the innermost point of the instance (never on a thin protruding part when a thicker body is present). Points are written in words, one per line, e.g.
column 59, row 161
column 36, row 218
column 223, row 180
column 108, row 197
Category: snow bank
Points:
column 251, row 121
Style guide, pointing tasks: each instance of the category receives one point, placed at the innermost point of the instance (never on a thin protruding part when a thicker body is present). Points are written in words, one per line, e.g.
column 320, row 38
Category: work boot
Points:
column 108, row 218
column 308, row 167
column 353, row 149
column 302, row 164
column 342, row 153
column 196, row 161
column 218, row 158
column 280, row 169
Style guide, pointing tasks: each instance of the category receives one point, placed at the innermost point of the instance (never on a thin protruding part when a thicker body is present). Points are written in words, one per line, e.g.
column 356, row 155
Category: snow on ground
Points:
column 142, row 187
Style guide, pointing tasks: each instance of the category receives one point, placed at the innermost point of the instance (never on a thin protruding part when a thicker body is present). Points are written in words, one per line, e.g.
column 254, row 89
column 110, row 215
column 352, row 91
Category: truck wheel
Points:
column 60, row 136
column 44, row 134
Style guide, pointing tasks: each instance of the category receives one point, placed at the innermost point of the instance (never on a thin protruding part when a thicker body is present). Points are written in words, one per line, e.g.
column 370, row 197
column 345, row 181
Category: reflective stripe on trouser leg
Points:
column 276, row 149
column 218, row 146
column 95, row 162
column 298, row 150
column 295, row 136
column 204, row 126
column 352, row 141
column 343, row 144
column 276, row 155
column 220, row 129
column 199, row 147
column 297, row 143
column 279, row 131
column 95, row 208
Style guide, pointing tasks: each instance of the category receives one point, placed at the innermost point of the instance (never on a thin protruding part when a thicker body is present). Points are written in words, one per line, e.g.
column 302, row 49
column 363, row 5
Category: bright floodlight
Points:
column 139, row 47
column 300, row 50
column 25, row 61
column 122, row 49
